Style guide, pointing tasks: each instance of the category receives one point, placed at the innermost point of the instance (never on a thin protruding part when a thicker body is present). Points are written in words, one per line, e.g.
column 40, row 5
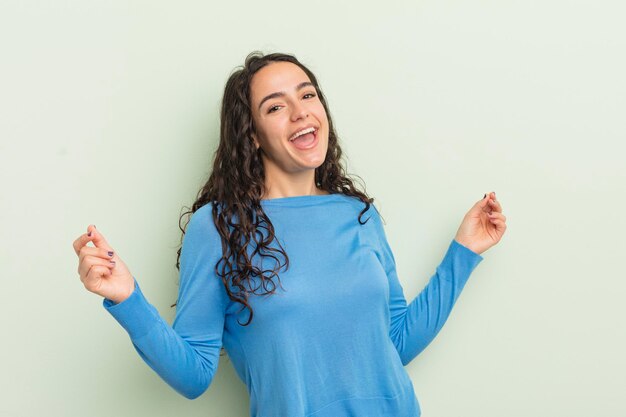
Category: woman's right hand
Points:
column 101, row 270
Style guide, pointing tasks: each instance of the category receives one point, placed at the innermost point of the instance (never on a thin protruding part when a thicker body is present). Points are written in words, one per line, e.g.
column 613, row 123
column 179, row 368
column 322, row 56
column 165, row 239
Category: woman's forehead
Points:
column 276, row 77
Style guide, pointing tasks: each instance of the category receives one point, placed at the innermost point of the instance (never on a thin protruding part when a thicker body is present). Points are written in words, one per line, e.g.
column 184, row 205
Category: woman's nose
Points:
column 299, row 111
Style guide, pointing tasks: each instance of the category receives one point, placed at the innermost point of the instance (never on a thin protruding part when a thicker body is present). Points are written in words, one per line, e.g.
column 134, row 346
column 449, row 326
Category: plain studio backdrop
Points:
column 110, row 115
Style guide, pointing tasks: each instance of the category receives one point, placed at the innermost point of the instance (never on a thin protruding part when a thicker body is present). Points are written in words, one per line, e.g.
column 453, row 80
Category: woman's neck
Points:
column 291, row 190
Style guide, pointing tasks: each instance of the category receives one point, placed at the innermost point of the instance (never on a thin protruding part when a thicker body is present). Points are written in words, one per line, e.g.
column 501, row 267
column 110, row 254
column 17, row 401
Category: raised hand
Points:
column 482, row 226
column 101, row 270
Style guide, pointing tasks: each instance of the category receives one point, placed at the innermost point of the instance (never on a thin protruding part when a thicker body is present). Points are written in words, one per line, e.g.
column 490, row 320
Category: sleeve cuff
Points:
column 462, row 256
column 135, row 314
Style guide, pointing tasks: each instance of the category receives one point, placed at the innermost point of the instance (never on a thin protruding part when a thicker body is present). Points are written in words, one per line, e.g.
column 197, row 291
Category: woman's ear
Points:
column 255, row 141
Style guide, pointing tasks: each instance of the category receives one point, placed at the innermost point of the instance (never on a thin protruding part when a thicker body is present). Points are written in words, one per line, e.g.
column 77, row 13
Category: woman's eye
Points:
column 274, row 108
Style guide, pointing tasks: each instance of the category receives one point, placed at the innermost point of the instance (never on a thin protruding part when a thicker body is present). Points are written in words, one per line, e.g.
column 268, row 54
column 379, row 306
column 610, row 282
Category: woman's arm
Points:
column 415, row 325
column 186, row 354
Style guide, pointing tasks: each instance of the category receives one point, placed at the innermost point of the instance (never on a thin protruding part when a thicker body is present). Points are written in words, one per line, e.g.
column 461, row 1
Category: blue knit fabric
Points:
column 333, row 339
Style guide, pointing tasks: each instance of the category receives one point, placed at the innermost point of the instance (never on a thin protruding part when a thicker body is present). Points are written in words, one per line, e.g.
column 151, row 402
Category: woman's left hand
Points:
column 482, row 226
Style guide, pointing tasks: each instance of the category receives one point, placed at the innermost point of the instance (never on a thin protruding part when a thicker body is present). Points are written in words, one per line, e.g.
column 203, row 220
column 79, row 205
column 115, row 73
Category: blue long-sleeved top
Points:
column 331, row 342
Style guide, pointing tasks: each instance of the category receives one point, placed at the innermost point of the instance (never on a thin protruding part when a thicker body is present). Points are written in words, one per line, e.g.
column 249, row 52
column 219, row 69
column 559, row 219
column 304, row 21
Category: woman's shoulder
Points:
column 366, row 216
column 201, row 225
column 204, row 211
column 355, row 206
column 358, row 205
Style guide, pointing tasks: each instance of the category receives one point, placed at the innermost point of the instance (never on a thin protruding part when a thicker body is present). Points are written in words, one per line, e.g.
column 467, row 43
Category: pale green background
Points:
column 109, row 115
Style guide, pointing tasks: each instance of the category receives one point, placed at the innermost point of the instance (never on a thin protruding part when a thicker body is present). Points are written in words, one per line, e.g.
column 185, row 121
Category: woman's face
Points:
column 285, row 103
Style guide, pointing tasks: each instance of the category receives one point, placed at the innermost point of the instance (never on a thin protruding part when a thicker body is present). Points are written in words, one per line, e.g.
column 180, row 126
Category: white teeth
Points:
column 302, row 132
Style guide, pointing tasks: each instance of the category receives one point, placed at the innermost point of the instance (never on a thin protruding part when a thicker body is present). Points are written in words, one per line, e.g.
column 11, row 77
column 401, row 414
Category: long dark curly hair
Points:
column 237, row 184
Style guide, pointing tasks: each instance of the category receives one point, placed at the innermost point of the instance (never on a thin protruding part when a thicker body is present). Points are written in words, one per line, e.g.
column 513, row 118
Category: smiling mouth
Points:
column 304, row 132
column 306, row 141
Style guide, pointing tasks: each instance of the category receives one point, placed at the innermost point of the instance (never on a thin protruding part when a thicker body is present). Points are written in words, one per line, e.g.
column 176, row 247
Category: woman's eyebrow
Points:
column 282, row 93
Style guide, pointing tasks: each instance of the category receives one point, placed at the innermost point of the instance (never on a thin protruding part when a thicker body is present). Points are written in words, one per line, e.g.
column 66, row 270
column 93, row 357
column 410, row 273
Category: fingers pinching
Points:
column 79, row 243
column 485, row 204
column 98, row 240
column 499, row 206
column 489, row 204
column 495, row 205
column 83, row 240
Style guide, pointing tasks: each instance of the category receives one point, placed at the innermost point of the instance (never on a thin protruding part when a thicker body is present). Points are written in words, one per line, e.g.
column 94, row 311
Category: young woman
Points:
column 286, row 265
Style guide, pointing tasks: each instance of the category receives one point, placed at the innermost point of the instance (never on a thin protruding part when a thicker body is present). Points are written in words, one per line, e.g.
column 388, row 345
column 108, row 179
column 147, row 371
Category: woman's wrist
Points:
column 468, row 245
column 123, row 297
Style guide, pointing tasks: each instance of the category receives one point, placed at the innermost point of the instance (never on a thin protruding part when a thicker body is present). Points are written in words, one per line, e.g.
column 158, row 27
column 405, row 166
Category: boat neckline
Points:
column 302, row 198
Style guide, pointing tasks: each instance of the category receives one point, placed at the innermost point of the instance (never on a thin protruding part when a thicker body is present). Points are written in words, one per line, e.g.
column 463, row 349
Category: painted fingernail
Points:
column 110, row 253
column 89, row 234
column 485, row 196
